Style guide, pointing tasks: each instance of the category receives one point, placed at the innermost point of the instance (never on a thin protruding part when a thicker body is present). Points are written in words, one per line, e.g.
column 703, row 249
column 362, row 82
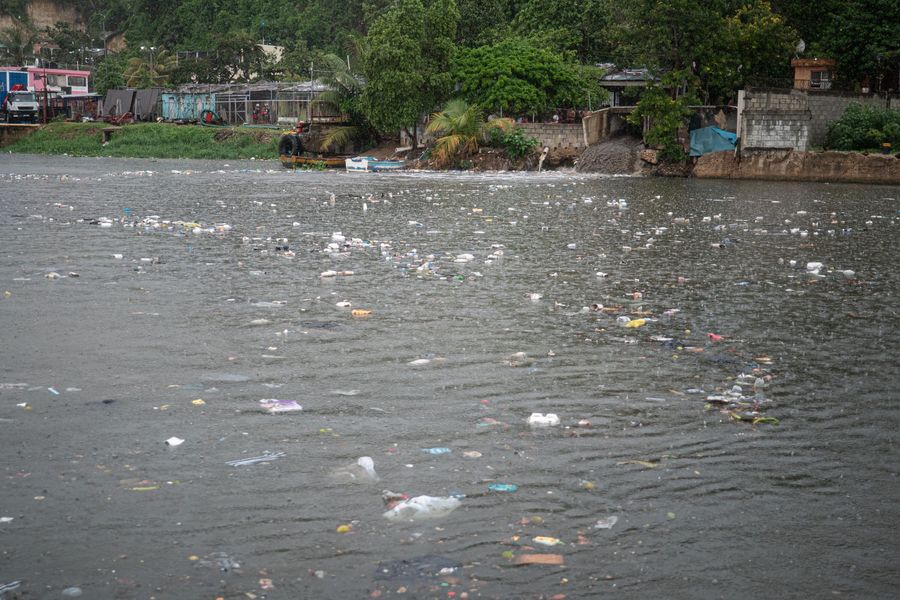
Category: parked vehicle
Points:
column 19, row 106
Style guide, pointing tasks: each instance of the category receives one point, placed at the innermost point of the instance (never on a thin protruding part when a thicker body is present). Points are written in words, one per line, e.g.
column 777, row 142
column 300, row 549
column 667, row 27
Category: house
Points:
column 812, row 73
column 624, row 85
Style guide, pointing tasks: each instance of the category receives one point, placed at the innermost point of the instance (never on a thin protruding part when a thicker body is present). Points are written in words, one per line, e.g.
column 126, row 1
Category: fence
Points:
column 264, row 103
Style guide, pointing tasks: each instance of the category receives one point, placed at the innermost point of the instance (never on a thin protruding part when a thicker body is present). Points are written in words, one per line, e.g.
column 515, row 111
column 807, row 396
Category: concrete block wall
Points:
column 766, row 113
column 776, row 131
column 555, row 135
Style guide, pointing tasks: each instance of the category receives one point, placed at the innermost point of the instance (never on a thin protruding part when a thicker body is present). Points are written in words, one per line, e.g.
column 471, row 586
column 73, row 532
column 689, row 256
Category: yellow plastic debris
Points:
column 198, row 402
column 636, row 323
column 358, row 312
column 547, row 541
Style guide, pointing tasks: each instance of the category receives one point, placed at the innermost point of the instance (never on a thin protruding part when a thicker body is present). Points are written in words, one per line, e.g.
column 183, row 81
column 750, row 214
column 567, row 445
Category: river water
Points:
column 783, row 487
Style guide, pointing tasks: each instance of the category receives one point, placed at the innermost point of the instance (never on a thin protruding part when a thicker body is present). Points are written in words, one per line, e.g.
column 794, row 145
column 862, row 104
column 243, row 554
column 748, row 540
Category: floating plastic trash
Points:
column 547, row 541
column 174, row 441
column 606, row 523
column 362, row 471
column 422, row 508
column 267, row 457
column 9, row 587
column 437, row 450
column 503, row 487
column 274, row 406
column 539, row 559
column 543, row 420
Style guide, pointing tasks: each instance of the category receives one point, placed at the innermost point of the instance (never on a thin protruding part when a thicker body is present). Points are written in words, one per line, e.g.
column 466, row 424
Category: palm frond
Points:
column 338, row 137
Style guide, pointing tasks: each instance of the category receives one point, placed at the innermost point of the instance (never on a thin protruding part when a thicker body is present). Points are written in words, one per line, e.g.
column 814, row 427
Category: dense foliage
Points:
column 516, row 77
column 865, row 128
column 514, row 56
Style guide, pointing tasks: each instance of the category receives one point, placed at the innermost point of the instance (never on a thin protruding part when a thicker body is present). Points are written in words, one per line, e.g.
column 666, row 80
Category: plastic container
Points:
column 422, row 508
column 543, row 420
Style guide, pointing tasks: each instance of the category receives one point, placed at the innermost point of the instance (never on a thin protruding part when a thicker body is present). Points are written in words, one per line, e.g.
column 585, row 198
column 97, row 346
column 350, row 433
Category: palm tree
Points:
column 18, row 44
column 151, row 73
column 343, row 95
column 344, row 88
column 460, row 127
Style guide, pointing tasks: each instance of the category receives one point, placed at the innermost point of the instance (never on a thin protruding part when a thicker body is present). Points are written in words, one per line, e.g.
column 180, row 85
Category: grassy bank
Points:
column 151, row 140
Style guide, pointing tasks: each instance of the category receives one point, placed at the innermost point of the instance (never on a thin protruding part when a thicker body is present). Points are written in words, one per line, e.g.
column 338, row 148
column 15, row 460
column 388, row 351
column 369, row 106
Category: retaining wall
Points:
column 555, row 135
column 792, row 165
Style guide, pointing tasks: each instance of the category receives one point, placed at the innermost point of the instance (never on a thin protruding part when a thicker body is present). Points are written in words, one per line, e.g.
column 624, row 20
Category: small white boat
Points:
column 369, row 164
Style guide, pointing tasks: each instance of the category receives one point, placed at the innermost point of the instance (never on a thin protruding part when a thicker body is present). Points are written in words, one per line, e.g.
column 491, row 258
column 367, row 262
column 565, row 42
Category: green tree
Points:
column 666, row 105
column 761, row 46
column 71, row 42
column 236, row 57
column 345, row 96
column 864, row 39
column 193, row 70
column 406, row 63
column 150, row 70
column 572, row 26
column 723, row 43
column 17, row 43
column 513, row 76
column 458, row 128
column 481, row 22
column 108, row 74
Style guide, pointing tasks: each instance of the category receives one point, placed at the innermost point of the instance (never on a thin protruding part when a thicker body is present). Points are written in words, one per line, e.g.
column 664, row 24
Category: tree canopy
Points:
column 513, row 76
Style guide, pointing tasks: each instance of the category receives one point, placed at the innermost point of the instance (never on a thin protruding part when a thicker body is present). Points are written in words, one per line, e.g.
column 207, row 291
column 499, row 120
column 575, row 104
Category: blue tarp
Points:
column 711, row 139
column 186, row 106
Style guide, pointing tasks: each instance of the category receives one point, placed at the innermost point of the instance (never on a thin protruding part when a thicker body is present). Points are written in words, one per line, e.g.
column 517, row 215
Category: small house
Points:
column 812, row 73
column 624, row 85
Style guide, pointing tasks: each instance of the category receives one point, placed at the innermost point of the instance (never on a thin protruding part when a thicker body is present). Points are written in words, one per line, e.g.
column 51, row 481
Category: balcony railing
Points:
column 812, row 84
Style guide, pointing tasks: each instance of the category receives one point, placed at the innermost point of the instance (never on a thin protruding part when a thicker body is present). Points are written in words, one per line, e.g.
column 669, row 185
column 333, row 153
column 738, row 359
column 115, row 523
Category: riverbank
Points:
column 792, row 165
column 150, row 140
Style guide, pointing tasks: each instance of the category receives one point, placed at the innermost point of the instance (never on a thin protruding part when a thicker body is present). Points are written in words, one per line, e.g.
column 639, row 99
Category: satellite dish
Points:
column 800, row 47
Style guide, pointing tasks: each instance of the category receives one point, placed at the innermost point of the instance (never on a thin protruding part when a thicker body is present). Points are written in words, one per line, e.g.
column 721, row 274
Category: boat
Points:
column 296, row 162
column 370, row 164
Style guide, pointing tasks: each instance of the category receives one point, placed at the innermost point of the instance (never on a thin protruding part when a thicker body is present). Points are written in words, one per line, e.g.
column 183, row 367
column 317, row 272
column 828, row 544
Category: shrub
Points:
column 512, row 140
column 864, row 128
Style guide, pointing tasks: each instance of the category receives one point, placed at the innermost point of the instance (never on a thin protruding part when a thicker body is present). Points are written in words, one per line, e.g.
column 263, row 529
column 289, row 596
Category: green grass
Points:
column 150, row 140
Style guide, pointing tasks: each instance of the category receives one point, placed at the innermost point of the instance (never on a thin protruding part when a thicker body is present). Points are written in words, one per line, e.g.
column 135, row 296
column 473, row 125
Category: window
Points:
column 77, row 81
column 57, row 80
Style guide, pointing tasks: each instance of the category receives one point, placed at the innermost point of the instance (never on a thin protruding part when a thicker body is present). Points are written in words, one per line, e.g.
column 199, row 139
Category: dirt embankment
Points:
column 619, row 155
column 790, row 165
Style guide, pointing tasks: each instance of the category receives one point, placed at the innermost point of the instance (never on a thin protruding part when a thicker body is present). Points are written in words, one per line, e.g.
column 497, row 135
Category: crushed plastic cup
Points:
column 362, row 471
column 422, row 508
column 543, row 420
column 606, row 523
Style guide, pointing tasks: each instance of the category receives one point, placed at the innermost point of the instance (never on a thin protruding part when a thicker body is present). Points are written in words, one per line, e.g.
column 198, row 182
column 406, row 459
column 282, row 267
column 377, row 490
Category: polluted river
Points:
column 227, row 380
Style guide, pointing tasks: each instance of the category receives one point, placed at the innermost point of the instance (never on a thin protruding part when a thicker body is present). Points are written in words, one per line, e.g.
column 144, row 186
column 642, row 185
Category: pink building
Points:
column 61, row 81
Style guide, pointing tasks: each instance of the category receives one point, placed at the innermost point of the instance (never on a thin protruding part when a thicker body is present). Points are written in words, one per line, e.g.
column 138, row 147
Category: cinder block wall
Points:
column 798, row 119
column 777, row 131
column 555, row 135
